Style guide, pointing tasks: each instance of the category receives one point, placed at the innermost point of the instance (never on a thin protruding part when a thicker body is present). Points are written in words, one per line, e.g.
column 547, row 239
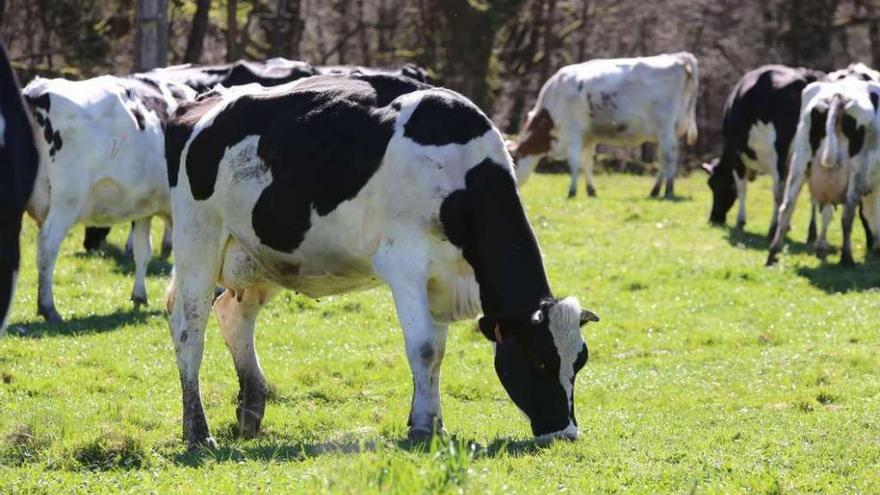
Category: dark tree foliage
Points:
column 497, row 52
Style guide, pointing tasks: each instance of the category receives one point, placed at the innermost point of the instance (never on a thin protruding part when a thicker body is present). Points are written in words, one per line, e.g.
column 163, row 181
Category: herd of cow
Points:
column 324, row 180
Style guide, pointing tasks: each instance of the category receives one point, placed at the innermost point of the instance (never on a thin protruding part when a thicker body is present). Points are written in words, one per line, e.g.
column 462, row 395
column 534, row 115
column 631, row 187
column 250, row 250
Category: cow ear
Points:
column 488, row 326
column 588, row 316
column 537, row 317
column 707, row 167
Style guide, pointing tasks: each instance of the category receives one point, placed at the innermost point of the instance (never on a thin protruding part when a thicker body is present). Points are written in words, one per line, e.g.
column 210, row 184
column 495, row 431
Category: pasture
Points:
column 708, row 373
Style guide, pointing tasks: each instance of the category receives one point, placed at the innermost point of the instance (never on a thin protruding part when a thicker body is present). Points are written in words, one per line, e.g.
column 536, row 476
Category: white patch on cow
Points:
column 565, row 322
column 762, row 140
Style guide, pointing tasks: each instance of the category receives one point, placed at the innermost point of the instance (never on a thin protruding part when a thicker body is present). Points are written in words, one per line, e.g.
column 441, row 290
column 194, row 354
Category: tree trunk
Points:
column 284, row 28
column 151, row 37
column 808, row 38
column 197, row 32
column 468, row 38
column 232, row 30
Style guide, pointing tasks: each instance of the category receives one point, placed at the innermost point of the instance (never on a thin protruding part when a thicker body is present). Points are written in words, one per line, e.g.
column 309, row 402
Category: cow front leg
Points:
column 237, row 313
column 786, row 209
column 166, row 238
column 143, row 251
column 425, row 339
column 52, row 233
column 741, row 190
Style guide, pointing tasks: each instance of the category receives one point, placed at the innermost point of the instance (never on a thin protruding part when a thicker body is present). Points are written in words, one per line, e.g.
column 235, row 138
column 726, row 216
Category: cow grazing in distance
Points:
column 380, row 179
column 271, row 72
column 18, row 168
column 835, row 150
column 623, row 102
column 760, row 119
column 101, row 145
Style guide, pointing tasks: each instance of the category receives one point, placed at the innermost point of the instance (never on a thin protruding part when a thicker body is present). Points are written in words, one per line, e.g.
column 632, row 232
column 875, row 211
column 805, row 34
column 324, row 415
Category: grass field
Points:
column 709, row 373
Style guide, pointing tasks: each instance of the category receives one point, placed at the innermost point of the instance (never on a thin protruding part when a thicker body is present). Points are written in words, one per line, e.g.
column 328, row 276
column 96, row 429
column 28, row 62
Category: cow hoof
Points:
column 822, row 252
column 846, row 259
column 740, row 225
column 418, row 435
column 139, row 301
column 571, row 193
column 207, row 443
column 591, row 191
column 248, row 422
column 771, row 259
column 669, row 195
column 50, row 314
column 656, row 191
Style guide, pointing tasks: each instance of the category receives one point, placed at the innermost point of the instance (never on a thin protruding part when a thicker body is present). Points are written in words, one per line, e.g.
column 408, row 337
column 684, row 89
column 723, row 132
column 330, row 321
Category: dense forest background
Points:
column 497, row 52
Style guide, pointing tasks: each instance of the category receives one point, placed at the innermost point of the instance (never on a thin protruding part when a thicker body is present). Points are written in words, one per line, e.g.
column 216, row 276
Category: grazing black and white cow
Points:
column 18, row 168
column 339, row 183
column 760, row 119
column 623, row 102
column 102, row 162
column 836, row 150
column 857, row 70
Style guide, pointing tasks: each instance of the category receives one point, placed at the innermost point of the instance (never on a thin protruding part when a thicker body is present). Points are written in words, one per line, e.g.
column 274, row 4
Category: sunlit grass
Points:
column 709, row 373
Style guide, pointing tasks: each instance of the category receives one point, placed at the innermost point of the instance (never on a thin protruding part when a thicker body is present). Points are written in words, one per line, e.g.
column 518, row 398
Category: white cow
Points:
column 623, row 102
column 835, row 149
column 102, row 161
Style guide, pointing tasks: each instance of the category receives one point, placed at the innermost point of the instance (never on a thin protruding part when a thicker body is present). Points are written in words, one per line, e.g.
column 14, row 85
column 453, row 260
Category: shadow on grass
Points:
column 833, row 278
column 158, row 266
column 760, row 242
column 82, row 325
column 293, row 451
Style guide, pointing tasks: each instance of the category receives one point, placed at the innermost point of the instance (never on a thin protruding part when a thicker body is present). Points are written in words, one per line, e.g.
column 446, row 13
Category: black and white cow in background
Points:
column 271, row 72
column 339, row 183
column 101, row 144
column 836, row 150
column 760, row 119
column 623, row 102
column 18, row 168
column 857, row 70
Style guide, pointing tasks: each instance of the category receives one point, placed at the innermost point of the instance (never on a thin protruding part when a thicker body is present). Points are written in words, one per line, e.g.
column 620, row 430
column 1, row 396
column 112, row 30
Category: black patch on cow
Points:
column 180, row 127
column 41, row 105
column 874, row 98
column 486, row 220
column 18, row 168
column 322, row 138
column 854, row 133
column 817, row 127
column 139, row 118
column 42, row 102
column 270, row 73
column 440, row 119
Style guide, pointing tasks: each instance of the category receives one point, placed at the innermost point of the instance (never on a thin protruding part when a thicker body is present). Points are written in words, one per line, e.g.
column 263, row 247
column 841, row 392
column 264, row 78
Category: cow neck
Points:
column 488, row 222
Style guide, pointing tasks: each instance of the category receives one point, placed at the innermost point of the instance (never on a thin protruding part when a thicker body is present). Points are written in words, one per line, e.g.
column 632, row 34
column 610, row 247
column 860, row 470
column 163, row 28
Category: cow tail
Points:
column 691, row 93
column 828, row 157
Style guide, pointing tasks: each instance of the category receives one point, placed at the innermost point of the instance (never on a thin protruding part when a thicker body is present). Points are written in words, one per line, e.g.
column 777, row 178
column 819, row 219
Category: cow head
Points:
column 537, row 358
column 535, row 142
column 723, row 190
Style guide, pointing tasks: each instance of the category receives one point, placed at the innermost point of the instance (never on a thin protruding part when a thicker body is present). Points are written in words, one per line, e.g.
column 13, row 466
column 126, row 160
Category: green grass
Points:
column 709, row 373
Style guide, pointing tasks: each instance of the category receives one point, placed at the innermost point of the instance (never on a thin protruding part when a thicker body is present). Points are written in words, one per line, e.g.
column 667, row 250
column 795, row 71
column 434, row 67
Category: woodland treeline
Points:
column 497, row 52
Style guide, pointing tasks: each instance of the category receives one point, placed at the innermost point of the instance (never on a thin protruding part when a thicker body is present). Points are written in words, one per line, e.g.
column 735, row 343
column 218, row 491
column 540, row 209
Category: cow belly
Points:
column 330, row 273
column 110, row 203
column 762, row 140
column 828, row 184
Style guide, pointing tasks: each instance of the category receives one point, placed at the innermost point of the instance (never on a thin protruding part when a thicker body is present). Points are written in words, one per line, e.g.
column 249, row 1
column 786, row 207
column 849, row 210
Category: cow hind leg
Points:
column 811, row 230
column 669, row 162
column 741, row 190
column 822, row 246
column 143, row 251
column 190, row 295
column 588, row 157
column 52, row 233
column 425, row 339
column 237, row 313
